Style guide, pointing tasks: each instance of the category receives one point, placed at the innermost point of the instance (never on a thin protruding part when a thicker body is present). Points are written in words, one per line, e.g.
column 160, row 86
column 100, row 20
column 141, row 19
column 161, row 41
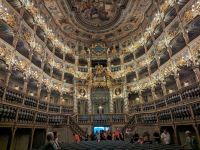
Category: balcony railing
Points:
column 102, row 119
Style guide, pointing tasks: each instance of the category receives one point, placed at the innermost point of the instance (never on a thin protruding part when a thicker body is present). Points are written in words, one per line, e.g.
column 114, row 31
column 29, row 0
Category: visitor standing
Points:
column 117, row 134
column 56, row 141
column 165, row 137
column 76, row 138
column 98, row 137
column 190, row 142
column 50, row 145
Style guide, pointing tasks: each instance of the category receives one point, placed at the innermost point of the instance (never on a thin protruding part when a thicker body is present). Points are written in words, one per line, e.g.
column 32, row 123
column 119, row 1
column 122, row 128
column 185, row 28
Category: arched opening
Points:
column 100, row 97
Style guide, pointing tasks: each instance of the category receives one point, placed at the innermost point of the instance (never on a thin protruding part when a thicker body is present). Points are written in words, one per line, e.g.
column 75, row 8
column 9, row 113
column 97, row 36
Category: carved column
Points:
column 38, row 94
column 111, row 100
column 197, row 73
column 125, row 97
column 49, row 95
column 164, row 88
column 149, row 70
column 137, row 75
column 89, row 101
column 122, row 61
column 75, row 98
column 76, row 63
column 25, row 86
column 140, row 97
column 154, row 96
column 109, row 64
column 169, row 50
column 39, row 90
column 178, row 82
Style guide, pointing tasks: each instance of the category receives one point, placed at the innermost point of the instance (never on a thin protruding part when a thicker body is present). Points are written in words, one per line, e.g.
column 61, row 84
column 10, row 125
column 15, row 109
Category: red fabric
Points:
column 77, row 138
column 117, row 133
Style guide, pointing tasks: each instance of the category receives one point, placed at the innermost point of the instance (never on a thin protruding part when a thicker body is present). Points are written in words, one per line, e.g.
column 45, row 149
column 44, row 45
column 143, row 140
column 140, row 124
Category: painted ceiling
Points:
column 91, row 21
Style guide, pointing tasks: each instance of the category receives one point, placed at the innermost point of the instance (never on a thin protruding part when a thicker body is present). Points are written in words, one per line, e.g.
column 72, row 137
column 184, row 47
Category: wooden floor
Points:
column 117, row 145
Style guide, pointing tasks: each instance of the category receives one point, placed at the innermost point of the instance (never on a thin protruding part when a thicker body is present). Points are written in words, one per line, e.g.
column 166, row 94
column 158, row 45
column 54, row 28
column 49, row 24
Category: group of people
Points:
column 108, row 135
column 165, row 138
column 100, row 136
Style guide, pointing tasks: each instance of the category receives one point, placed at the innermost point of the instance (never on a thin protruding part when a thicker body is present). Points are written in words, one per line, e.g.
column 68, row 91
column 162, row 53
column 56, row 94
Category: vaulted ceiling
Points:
column 89, row 21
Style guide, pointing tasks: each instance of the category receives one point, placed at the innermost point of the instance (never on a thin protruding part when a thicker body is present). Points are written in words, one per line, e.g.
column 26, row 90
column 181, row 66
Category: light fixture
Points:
column 16, row 87
column 170, row 91
column 100, row 107
column 186, row 84
column 137, row 99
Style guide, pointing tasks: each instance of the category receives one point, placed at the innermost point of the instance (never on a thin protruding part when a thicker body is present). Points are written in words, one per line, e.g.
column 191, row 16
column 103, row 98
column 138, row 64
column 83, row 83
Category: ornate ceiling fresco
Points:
column 98, row 20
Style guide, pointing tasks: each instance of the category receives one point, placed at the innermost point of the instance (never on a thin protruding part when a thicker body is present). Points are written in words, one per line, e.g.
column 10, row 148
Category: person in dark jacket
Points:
column 50, row 145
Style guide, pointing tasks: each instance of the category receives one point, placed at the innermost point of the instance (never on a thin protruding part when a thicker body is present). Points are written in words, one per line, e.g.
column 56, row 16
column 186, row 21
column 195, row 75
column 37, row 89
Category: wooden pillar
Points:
column 31, row 139
column 197, row 133
column 175, row 134
column 12, row 137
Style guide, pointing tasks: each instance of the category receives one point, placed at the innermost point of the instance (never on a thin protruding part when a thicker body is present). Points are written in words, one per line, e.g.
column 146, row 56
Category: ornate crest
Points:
column 98, row 49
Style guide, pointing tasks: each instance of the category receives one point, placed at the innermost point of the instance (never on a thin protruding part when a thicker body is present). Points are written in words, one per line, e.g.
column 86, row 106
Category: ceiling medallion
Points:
column 97, row 15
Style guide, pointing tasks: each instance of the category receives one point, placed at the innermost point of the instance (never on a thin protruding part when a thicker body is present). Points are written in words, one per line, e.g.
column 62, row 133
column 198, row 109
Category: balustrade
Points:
column 31, row 102
column 67, row 109
column 1, row 92
column 14, row 97
column 174, row 99
column 54, row 108
column 196, row 110
column 7, row 113
column 25, row 116
column 160, row 104
column 41, row 118
column 42, row 105
column 147, row 107
column 103, row 118
column 181, row 113
column 56, row 120
column 164, row 116
column 193, row 92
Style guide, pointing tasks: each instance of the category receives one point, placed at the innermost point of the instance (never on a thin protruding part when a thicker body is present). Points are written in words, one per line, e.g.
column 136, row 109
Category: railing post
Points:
column 12, row 137
column 31, row 140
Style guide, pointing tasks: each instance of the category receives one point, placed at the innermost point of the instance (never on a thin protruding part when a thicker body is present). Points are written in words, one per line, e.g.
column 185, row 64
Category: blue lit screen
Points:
column 98, row 129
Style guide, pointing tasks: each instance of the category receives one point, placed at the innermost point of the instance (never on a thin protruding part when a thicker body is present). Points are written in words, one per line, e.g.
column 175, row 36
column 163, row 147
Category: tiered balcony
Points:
column 180, row 107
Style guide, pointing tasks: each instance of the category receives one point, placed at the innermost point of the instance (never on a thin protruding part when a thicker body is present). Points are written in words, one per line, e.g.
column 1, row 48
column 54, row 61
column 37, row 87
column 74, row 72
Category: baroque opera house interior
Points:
column 99, row 74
